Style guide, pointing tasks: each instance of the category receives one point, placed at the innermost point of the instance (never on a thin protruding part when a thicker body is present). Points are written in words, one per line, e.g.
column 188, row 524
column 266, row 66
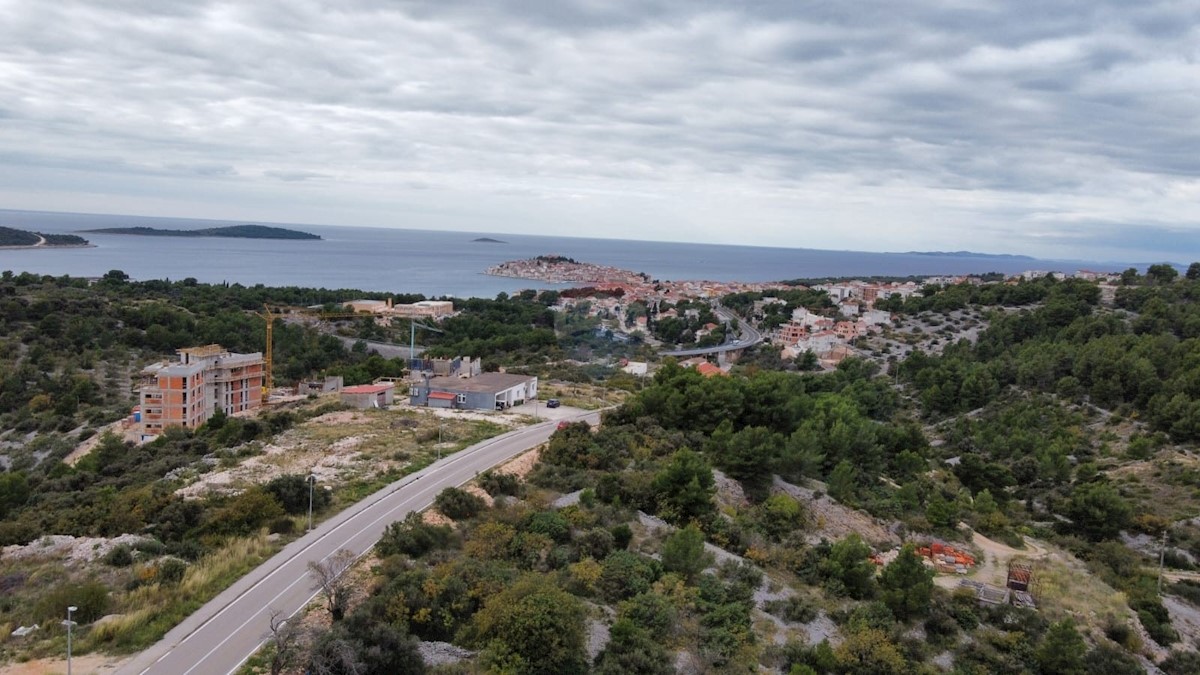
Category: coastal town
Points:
column 835, row 325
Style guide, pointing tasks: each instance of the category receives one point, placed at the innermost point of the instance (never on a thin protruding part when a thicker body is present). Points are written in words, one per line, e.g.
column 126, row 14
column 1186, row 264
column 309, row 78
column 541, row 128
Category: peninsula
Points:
column 13, row 238
column 562, row 270
column 232, row 231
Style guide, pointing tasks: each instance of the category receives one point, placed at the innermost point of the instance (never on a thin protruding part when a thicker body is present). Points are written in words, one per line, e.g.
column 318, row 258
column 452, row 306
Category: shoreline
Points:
column 40, row 246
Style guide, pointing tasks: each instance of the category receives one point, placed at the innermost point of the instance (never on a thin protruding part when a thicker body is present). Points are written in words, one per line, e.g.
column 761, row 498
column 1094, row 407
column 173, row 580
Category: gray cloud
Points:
column 1026, row 127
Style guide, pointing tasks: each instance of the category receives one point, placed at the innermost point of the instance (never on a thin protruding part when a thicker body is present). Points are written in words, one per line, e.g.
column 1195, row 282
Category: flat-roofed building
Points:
column 204, row 380
column 378, row 395
column 488, row 391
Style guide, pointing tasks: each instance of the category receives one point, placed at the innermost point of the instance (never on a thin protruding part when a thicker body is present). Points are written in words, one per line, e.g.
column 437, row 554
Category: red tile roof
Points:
column 709, row 370
column 441, row 395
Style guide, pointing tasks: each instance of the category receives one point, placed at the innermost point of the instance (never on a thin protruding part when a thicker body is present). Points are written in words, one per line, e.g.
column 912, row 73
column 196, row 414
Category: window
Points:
column 461, row 398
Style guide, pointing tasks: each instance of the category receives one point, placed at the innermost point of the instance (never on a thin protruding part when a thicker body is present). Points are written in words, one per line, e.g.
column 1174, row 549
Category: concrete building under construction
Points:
column 204, row 380
column 424, row 309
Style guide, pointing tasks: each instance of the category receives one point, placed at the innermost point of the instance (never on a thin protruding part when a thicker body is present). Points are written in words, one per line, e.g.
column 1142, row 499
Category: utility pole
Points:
column 312, row 481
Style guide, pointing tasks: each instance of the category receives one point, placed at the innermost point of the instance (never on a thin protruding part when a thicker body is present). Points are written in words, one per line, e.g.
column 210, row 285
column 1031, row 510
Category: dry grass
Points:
column 347, row 447
column 151, row 610
column 1162, row 486
column 583, row 396
column 1063, row 587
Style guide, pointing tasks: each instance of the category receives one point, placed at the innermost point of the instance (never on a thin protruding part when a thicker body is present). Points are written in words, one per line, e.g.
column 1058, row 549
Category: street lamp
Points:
column 69, row 624
column 312, row 481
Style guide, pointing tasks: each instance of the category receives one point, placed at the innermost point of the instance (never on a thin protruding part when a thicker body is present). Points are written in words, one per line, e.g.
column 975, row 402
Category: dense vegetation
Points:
column 13, row 237
column 1070, row 419
column 232, row 231
column 1017, row 453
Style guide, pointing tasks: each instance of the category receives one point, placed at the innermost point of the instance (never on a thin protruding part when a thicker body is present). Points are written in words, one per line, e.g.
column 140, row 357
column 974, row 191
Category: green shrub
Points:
column 151, row 547
column 292, row 491
column 171, row 570
column 496, row 484
column 90, row 597
column 458, row 504
column 793, row 608
column 549, row 523
column 282, row 525
column 119, row 556
column 625, row 574
column 622, row 535
column 412, row 536
column 17, row 532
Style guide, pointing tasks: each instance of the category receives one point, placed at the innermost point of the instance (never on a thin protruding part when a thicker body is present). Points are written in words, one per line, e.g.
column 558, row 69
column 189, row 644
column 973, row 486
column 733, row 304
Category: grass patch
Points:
column 152, row 610
column 1069, row 589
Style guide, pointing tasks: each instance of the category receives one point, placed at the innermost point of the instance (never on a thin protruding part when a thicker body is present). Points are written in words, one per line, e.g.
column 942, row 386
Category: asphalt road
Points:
column 747, row 335
column 221, row 635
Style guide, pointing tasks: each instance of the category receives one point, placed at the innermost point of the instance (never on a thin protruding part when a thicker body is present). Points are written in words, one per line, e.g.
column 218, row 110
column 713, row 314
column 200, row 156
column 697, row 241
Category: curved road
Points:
column 221, row 635
column 748, row 335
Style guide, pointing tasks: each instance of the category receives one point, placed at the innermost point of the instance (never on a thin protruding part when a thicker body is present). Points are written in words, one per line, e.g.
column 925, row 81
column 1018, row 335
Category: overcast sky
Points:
column 1043, row 127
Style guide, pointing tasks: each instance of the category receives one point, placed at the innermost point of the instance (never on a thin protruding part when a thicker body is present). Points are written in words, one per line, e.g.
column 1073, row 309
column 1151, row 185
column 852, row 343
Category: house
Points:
column 205, row 380
column 488, row 391
column 378, row 395
column 830, row 359
column 329, row 385
column 875, row 317
column 638, row 368
column 846, row 330
column 791, row 333
column 710, row 370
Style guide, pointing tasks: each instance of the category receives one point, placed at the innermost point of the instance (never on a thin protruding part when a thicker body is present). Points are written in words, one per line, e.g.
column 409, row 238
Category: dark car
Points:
column 553, row 403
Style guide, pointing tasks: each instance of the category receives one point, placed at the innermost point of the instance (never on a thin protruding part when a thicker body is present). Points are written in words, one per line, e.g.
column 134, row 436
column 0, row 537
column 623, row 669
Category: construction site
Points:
column 957, row 568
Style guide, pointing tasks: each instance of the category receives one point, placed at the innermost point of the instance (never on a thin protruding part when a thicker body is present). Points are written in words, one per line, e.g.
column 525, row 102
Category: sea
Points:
column 441, row 263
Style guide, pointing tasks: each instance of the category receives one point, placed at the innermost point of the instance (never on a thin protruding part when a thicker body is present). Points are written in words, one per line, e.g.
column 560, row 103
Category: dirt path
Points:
column 993, row 561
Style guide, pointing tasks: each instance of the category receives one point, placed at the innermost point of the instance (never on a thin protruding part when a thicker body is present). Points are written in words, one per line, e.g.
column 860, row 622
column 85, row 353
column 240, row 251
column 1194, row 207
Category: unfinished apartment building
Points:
column 204, row 380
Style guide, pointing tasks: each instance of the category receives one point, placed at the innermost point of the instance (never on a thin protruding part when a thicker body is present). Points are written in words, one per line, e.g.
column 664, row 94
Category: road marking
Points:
column 350, row 514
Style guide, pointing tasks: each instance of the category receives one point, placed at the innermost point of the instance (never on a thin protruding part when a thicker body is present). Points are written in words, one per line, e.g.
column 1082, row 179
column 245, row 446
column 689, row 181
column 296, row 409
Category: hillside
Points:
column 233, row 231
column 731, row 524
column 13, row 237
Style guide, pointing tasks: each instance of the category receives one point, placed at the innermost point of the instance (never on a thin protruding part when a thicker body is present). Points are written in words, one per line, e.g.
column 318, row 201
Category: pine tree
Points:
column 907, row 585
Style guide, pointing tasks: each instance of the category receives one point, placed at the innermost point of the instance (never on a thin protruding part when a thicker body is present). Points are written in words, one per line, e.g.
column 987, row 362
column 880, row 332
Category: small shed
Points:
column 378, row 395
column 441, row 399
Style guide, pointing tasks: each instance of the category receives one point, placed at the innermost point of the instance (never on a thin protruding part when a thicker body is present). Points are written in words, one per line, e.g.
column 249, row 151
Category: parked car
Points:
column 553, row 403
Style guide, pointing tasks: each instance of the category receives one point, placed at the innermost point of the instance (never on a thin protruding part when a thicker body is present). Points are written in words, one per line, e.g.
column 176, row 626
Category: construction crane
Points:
column 412, row 339
column 272, row 312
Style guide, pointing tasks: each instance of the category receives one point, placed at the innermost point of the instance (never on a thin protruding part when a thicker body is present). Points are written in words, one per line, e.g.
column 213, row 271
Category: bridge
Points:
column 748, row 336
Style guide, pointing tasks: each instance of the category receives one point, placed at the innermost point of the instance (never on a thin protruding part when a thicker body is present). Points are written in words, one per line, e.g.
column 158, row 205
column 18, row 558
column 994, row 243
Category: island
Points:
column 232, row 231
column 13, row 238
column 563, row 270
column 970, row 254
column 488, row 240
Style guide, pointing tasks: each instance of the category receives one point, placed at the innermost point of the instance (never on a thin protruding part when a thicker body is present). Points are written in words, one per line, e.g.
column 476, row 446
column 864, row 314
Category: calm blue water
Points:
column 436, row 263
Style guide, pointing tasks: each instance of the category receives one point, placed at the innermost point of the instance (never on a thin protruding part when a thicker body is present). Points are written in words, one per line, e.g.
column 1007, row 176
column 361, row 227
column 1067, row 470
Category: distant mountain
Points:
column 10, row 236
column 234, row 231
column 488, row 240
column 970, row 254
